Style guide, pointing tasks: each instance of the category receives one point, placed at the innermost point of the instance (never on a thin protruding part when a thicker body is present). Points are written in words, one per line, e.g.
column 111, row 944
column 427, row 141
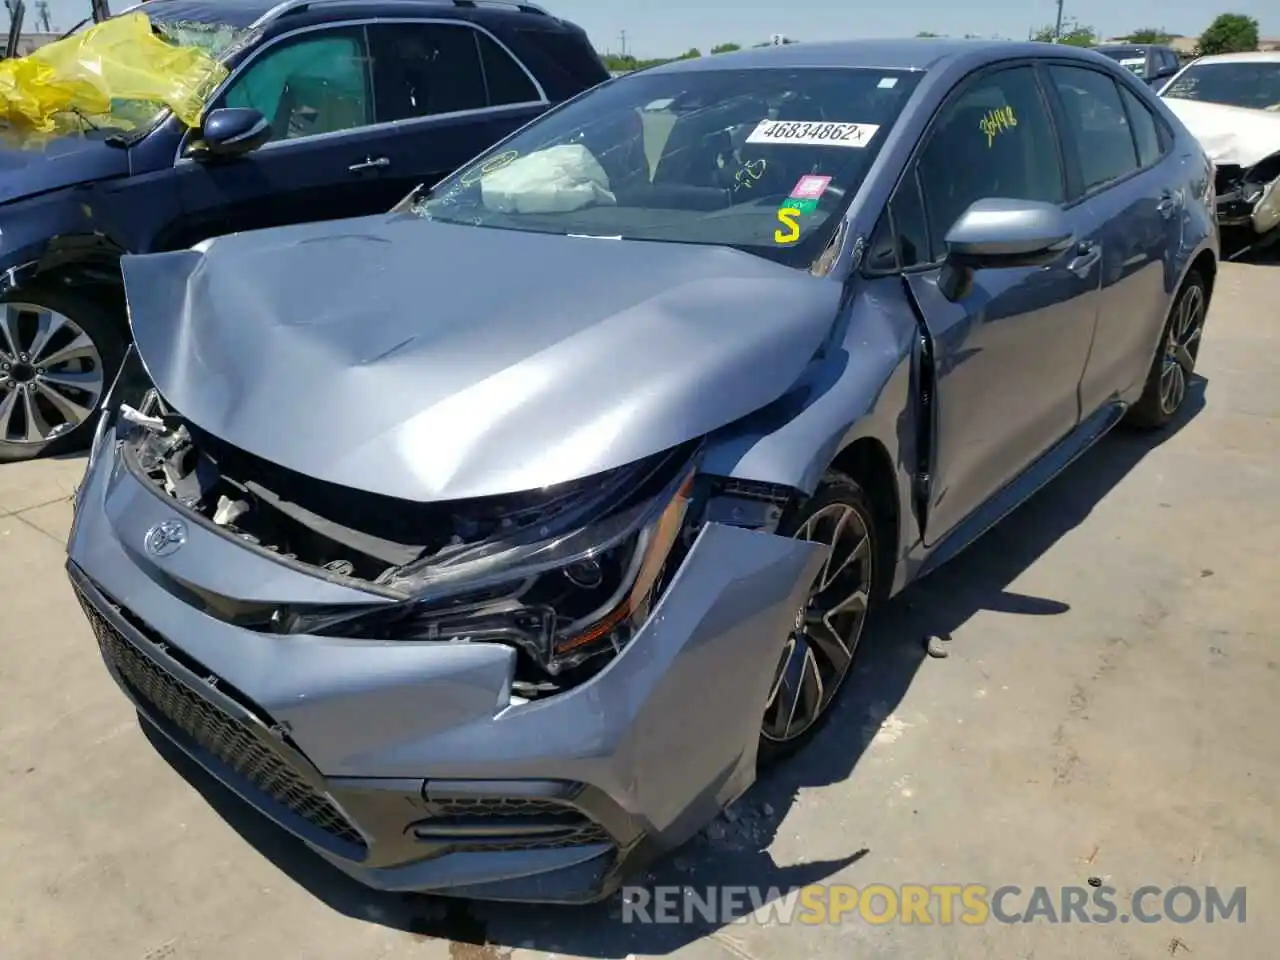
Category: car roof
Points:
column 245, row 13
column 1253, row 56
column 925, row 53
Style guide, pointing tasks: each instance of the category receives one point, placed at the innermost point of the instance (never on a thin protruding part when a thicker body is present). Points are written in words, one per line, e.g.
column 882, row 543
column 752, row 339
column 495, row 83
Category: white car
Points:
column 1231, row 104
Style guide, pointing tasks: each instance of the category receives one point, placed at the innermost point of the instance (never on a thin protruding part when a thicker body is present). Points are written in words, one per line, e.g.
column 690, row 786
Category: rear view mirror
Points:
column 995, row 232
column 232, row 132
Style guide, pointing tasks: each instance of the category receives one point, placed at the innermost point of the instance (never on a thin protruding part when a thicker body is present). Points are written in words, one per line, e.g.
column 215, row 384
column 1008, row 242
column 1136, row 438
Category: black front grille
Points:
column 213, row 730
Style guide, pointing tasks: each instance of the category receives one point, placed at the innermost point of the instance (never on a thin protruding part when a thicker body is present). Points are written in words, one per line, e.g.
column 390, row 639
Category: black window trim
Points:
column 911, row 167
column 364, row 23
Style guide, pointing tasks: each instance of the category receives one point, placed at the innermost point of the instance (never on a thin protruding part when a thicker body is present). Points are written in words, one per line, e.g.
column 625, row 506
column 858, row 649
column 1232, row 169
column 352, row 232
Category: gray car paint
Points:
column 378, row 719
column 391, row 361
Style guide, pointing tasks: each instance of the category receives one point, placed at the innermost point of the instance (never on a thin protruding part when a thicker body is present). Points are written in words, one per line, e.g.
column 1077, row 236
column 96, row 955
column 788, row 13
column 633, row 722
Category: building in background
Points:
column 33, row 41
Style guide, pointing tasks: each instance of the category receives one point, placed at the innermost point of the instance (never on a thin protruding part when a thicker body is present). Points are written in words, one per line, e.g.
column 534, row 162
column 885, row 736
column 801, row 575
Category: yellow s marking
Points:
column 789, row 218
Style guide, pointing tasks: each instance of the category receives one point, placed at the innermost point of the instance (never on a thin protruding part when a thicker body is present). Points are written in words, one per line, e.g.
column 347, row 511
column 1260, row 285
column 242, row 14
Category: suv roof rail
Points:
column 295, row 6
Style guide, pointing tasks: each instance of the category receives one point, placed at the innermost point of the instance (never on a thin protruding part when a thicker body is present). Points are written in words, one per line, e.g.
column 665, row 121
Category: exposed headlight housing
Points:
column 561, row 593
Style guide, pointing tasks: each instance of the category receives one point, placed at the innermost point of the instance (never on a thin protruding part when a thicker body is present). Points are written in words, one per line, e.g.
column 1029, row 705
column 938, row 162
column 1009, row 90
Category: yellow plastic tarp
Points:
column 76, row 79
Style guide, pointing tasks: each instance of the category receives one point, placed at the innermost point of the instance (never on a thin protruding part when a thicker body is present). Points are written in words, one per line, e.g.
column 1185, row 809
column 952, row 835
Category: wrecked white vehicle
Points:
column 1231, row 104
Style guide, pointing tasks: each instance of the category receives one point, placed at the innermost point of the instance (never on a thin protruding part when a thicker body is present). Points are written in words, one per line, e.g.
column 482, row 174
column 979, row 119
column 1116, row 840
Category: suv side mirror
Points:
column 232, row 132
column 995, row 232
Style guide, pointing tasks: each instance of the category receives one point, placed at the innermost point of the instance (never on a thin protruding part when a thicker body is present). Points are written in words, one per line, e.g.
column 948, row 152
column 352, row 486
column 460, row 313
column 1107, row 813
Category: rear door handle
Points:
column 1088, row 252
column 1168, row 204
column 370, row 163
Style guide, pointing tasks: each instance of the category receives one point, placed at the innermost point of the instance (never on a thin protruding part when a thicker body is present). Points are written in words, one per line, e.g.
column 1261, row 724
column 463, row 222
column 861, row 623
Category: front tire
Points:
column 1175, row 360
column 59, row 352
column 818, row 653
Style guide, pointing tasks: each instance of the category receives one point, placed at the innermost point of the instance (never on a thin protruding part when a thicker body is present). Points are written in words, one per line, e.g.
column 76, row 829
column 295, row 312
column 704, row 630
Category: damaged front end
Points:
column 565, row 575
column 1249, row 199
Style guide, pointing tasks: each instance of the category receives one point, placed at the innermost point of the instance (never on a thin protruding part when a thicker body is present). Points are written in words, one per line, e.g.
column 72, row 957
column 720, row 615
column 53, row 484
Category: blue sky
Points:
column 667, row 27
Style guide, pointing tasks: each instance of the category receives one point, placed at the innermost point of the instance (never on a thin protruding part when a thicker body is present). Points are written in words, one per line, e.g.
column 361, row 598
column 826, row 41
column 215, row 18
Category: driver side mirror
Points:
column 229, row 132
column 997, row 233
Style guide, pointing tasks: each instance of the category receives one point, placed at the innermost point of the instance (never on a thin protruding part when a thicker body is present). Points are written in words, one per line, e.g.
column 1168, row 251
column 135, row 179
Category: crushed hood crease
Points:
column 1234, row 135
column 429, row 361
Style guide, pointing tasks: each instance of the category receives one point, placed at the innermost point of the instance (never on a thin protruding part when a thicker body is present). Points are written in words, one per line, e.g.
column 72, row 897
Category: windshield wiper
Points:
column 75, row 28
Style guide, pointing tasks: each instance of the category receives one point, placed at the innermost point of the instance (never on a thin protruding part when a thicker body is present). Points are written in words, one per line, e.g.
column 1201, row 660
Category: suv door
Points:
column 1008, row 355
column 445, row 92
column 1118, row 152
column 315, row 87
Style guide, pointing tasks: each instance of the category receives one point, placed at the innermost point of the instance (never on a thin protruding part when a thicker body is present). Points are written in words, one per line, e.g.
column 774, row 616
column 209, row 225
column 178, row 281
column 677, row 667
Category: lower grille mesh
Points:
column 217, row 732
column 575, row 829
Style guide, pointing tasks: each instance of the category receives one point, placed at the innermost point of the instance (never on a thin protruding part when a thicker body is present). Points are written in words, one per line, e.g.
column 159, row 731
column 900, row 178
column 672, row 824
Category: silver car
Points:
column 492, row 545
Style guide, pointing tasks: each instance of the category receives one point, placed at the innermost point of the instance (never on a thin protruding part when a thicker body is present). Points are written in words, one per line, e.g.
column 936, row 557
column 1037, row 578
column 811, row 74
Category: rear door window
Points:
column 1146, row 134
column 1099, row 127
column 506, row 80
column 426, row 69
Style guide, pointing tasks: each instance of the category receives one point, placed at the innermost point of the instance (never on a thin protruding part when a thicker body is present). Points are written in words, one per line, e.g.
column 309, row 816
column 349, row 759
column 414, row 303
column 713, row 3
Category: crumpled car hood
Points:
column 1235, row 135
column 430, row 361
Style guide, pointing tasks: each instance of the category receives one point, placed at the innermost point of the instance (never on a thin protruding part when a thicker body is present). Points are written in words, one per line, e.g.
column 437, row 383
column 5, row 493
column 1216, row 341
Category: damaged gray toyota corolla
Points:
column 490, row 546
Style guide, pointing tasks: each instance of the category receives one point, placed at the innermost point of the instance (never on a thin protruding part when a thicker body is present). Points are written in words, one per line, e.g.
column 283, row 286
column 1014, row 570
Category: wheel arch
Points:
column 1205, row 264
column 867, row 462
column 69, row 262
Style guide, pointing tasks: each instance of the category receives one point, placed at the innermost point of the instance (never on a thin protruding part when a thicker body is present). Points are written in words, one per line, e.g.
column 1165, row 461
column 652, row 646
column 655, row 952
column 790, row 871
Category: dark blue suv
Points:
column 333, row 108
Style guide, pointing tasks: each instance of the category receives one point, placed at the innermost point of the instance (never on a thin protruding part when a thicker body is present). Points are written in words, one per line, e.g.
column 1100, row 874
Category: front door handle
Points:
column 1168, row 204
column 1088, row 252
column 370, row 163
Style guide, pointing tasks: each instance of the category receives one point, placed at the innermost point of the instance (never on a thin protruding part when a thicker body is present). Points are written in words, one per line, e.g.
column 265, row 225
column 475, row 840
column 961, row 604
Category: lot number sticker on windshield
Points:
column 813, row 133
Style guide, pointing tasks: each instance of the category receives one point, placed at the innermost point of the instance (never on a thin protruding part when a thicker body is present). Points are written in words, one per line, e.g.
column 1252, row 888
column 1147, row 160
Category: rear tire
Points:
column 59, row 353
column 1175, row 359
column 817, row 655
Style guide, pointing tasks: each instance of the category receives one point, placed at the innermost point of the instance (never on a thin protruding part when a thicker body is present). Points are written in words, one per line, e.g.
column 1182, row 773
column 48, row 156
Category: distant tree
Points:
column 1229, row 33
column 726, row 48
column 693, row 53
column 925, row 34
column 1156, row 35
column 1074, row 34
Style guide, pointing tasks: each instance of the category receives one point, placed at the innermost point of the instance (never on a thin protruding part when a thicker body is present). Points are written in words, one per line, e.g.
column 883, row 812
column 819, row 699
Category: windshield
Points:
column 762, row 160
column 1253, row 84
column 1133, row 59
column 218, row 40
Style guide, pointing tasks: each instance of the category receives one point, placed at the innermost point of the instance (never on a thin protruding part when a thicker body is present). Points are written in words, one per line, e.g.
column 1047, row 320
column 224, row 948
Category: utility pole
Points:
column 623, row 37
column 1057, row 28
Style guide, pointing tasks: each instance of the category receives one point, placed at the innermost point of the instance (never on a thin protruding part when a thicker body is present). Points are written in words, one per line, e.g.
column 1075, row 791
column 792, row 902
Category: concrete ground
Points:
column 1109, row 709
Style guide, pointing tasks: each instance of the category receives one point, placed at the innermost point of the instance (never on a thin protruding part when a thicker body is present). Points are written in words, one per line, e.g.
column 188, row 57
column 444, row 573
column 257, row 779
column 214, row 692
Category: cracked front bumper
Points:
column 408, row 765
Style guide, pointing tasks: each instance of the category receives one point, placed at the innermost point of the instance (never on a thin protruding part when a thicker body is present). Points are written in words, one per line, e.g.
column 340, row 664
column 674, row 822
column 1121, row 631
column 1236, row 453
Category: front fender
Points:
column 862, row 389
column 50, row 231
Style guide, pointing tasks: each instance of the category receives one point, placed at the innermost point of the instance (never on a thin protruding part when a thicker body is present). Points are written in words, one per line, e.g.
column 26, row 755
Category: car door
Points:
column 315, row 87
column 445, row 91
column 1118, row 154
column 1008, row 355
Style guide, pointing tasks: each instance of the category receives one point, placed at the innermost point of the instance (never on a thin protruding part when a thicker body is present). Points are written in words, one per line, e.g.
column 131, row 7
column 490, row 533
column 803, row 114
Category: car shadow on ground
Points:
column 734, row 850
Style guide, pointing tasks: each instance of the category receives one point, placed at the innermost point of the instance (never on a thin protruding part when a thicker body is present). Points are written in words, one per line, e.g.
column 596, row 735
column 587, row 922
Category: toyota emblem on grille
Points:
column 166, row 538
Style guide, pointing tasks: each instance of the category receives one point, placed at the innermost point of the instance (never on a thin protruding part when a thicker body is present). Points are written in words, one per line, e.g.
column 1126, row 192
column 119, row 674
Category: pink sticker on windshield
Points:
column 810, row 188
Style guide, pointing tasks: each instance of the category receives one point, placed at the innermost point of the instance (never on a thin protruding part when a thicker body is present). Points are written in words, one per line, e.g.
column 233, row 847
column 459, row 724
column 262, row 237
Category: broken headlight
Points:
column 561, row 596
